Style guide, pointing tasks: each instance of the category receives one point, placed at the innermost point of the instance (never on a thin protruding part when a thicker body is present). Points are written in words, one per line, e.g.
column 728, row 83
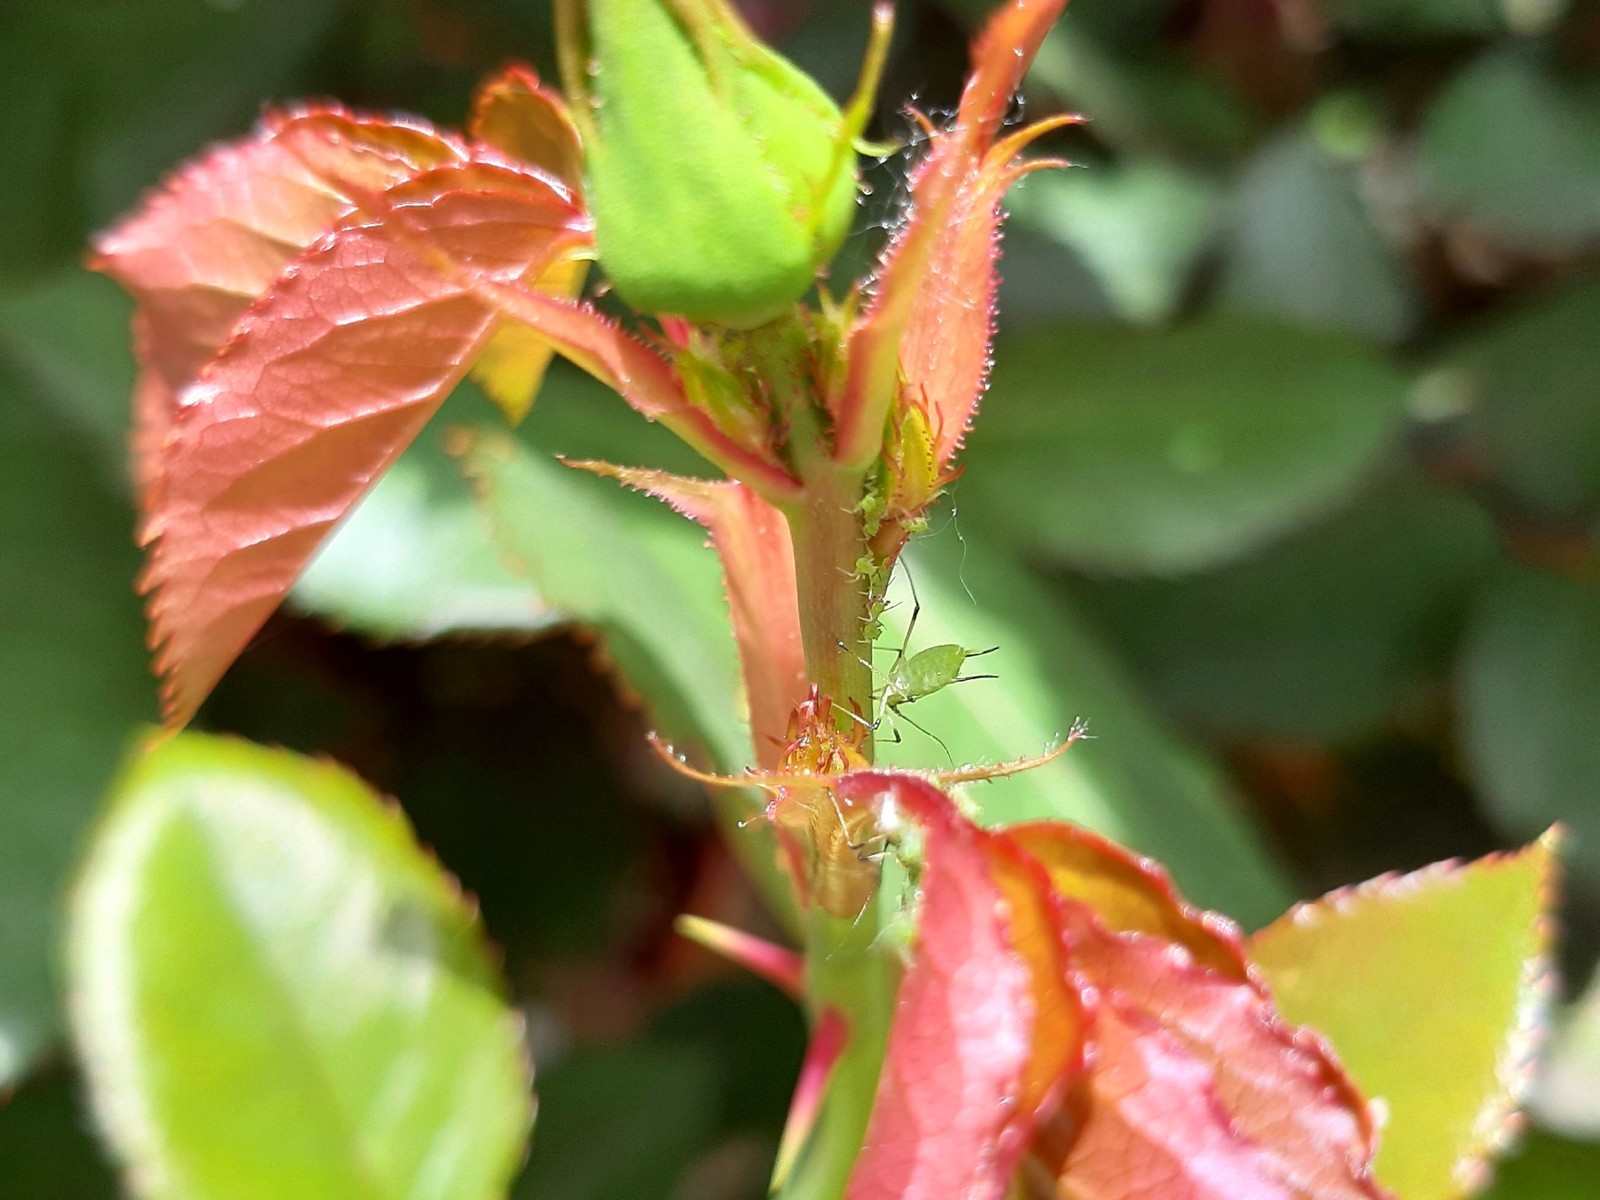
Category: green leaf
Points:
column 1430, row 987
column 1548, row 1168
column 1529, row 383
column 1512, row 148
column 627, row 567
column 277, row 992
column 1304, row 247
column 1140, row 227
column 416, row 559
column 46, row 1149
column 73, row 683
column 1528, row 694
column 1135, row 780
column 1319, row 637
column 1137, row 452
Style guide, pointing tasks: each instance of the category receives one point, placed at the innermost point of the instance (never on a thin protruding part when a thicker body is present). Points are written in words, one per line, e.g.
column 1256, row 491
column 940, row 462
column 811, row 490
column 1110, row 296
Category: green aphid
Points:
column 912, row 677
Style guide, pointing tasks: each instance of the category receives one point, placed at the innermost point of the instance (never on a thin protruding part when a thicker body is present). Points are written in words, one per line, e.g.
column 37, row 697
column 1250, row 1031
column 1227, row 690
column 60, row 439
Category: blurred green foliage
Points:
column 1289, row 483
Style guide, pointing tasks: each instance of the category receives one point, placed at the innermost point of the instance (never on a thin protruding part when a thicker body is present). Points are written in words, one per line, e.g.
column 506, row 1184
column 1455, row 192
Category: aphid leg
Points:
column 916, row 611
column 928, row 733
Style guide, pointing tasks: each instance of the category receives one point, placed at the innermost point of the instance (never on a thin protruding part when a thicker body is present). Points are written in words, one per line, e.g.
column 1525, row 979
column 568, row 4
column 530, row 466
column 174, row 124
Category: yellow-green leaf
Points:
column 278, row 993
column 1431, row 987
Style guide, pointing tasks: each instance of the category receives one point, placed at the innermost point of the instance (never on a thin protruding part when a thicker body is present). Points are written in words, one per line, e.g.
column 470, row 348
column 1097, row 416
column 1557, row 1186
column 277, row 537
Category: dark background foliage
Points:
column 1296, row 421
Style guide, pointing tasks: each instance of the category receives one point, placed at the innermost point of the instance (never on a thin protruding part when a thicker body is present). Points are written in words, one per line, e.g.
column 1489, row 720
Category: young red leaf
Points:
column 221, row 230
column 515, row 113
column 927, row 329
column 752, row 539
column 1197, row 1089
column 1432, row 986
column 1129, row 894
column 963, row 1076
column 325, row 381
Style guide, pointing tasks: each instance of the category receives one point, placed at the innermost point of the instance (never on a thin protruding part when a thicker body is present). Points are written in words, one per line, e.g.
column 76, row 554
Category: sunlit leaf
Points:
column 1187, row 1084
column 1137, row 452
column 1528, row 690
column 1322, row 635
column 1431, row 987
column 514, row 112
column 1514, row 107
column 290, row 425
column 277, row 992
column 72, row 685
column 1134, row 780
column 221, row 230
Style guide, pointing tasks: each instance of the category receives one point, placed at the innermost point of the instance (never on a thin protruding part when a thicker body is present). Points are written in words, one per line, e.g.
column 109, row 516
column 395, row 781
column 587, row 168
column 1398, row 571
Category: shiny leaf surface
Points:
column 1197, row 1086
column 258, row 943
column 268, row 447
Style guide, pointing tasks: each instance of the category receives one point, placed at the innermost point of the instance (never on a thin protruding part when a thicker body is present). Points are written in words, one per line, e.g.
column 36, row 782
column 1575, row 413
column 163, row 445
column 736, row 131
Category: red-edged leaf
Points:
column 752, row 539
column 962, row 1081
column 1433, row 987
column 927, row 328
column 1198, row 1090
column 325, row 381
column 1129, row 893
column 514, row 112
column 221, row 230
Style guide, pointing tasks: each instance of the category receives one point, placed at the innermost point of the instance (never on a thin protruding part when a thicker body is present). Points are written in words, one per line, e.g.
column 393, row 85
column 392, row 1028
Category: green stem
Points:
column 846, row 969
column 835, row 604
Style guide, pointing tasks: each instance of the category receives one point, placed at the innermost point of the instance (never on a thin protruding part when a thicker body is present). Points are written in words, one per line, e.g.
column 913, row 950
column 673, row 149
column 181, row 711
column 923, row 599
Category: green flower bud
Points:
column 720, row 176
